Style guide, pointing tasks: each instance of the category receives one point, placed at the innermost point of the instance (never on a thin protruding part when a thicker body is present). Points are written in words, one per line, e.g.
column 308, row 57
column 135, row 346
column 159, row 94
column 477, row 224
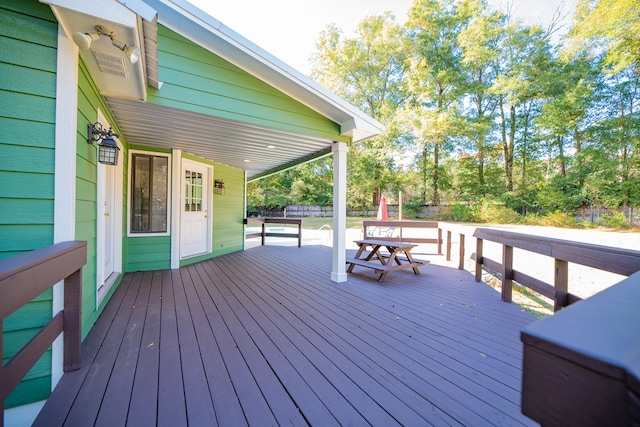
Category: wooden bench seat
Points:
column 369, row 264
column 382, row 269
column 405, row 259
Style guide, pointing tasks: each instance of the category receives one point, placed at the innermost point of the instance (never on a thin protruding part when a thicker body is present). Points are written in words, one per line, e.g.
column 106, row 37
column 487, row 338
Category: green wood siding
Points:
column 89, row 101
column 195, row 79
column 145, row 253
column 28, row 40
column 148, row 253
column 86, row 192
column 228, row 211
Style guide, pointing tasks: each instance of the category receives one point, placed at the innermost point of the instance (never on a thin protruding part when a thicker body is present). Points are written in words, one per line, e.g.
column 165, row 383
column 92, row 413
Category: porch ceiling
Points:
column 233, row 143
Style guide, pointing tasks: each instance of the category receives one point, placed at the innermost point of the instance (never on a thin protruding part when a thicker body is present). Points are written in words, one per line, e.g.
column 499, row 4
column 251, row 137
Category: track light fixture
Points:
column 84, row 40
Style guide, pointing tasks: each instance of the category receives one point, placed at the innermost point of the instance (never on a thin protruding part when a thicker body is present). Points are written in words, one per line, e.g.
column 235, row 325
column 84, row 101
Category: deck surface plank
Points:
column 171, row 404
column 263, row 337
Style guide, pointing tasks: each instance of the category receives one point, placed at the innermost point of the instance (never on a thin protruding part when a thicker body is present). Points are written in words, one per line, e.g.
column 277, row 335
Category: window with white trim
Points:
column 149, row 193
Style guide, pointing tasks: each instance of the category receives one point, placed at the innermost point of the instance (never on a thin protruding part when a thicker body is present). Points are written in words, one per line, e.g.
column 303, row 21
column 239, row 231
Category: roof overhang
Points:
column 133, row 23
column 258, row 150
column 189, row 21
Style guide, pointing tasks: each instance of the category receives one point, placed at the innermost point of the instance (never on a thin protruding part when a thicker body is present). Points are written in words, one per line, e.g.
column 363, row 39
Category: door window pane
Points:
column 192, row 191
column 149, row 193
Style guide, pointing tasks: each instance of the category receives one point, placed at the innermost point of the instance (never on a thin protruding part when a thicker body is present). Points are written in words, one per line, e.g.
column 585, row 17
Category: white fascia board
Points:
column 214, row 36
column 108, row 9
column 140, row 8
column 359, row 129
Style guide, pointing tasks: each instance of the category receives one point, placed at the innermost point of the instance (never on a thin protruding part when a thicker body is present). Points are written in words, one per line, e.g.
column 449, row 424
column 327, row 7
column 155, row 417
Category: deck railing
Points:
column 264, row 233
column 606, row 258
column 24, row 277
column 387, row 231
column 610, row 259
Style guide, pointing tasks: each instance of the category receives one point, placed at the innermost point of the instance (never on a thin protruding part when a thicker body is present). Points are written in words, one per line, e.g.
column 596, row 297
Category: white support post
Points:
column 64, row 216
column 338, row 271
column 176, row 206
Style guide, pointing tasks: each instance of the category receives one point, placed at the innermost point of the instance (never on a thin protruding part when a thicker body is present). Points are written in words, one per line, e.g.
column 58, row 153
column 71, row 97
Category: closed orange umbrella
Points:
column 382, row 209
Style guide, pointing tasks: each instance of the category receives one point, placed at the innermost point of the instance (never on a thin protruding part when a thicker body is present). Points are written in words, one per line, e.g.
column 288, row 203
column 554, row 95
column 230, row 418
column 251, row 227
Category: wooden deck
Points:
column 263, row 337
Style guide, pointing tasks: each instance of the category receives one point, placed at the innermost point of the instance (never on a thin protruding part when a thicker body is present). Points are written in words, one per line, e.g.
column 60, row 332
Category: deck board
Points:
column 263, row 337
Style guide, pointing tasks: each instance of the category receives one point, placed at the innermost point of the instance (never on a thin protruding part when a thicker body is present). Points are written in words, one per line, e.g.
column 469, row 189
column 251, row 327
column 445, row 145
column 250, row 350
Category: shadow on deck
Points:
column 263, row 337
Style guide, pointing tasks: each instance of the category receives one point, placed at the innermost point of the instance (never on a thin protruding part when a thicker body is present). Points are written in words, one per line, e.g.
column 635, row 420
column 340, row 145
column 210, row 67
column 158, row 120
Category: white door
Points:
column 108, row 225
column 107, row 215
column 195, row 219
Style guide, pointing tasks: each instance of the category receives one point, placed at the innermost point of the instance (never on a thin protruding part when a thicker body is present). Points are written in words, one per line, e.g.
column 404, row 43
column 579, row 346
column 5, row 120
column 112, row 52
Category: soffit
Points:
column 233, row 143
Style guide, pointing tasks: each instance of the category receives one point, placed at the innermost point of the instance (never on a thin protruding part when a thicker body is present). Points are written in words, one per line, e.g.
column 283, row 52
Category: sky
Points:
column 289, row 29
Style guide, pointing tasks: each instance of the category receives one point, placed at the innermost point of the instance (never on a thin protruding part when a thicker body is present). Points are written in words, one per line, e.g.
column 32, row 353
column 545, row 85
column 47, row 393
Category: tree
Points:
column 524, row 51
column 480, row 49
column 435, row 81
column 367, row 71
column 610, row 26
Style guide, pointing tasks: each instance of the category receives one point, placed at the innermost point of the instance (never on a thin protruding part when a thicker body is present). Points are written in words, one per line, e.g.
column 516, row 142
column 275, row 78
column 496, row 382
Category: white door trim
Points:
column 207, row 204
column 104, row 284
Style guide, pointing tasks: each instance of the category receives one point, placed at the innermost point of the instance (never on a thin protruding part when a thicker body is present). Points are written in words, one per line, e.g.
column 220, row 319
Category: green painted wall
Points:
column 227, row 209
column 28, row 40
column 146, row 253
column 89, row 101
column 195, row 79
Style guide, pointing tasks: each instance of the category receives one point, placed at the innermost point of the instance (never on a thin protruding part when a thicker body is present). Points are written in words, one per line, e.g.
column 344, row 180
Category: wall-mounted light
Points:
column 84, row 40
column 108, row 148
column 219, row 185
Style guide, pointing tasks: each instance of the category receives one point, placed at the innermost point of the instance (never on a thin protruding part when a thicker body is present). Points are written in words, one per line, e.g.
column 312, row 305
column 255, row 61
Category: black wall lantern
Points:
column 219, row 184
column 108, row 148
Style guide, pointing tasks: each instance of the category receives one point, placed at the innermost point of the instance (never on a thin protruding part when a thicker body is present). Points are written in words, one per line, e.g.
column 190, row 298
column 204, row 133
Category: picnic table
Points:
column 397, row 257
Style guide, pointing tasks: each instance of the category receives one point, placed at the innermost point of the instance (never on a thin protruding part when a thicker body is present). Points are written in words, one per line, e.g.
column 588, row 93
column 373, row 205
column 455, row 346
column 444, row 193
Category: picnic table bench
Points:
column 399, row 257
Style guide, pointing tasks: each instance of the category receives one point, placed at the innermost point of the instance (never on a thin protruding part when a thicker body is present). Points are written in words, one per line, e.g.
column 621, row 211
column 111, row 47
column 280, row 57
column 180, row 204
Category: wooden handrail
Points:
column 606, row 258
column 263, row 233
column 402, row 237
column 463, row 231
column 582, row 368
column 24, row 277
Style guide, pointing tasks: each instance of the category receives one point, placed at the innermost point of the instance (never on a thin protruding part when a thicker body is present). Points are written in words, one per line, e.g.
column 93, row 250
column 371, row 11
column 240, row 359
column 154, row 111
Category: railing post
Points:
column 72, row 325
column 1, row 370
column 300, row 233
column 439, row 241
column 263, row 231
column 448, row 248
column 461, row 253
column 478, row 260
column 561, row 284
column 507, row 273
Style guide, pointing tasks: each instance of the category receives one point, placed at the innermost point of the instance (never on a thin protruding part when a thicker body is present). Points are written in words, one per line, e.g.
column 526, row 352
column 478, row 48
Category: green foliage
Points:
column 492, row 211
column 552, row 219
column 617, row 220
column 609, row 25
column 464, row 213
column 483, row 114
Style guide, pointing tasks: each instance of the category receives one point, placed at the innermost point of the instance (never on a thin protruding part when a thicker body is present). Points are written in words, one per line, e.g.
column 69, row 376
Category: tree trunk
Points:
column 425, row 159
column 436, row 162
column 508, row 160
column 561, row 159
